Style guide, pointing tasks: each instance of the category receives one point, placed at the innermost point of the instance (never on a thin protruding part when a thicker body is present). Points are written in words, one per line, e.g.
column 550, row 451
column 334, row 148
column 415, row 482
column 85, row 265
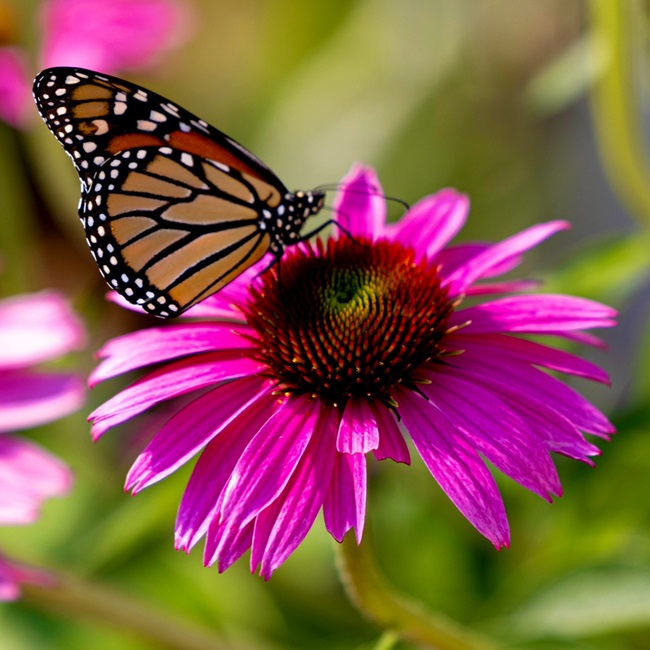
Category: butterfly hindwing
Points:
column 168, row 228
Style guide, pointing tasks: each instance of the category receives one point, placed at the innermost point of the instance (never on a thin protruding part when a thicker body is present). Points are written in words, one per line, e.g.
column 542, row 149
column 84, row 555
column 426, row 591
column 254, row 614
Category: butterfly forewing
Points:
column 95, row 116
column 173, row 209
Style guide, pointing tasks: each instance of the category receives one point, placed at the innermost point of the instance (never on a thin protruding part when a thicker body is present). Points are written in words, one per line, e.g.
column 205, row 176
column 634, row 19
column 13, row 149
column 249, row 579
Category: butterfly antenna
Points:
column 333, row 187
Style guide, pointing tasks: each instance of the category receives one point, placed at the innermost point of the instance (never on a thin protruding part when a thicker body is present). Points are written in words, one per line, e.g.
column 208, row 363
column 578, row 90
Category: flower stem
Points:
column 616, row 25
column 373, row 596
column 73, row 597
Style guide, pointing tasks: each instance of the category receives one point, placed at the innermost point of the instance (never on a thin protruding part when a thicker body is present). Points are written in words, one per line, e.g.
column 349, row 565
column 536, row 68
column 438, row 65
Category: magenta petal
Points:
column 530, row 352
column 494, row 430
column 536, row 314
column 432, row 222
column 456, row 466
column 170, row 381
column 508, row 286
column 212, row 471
column 541, row 387
column 345, row 505
column 358, row 431
column 556, row 432
column 585, row 338
column 35, row 328
column 191, row 429
column 482, row 264
column 226, row 542
column 454, row 257
column 391, row 441
column 282, row 526
column 28, row 476
column 360, row 207
column 29, row 399
column 268, row 462
column 125, row 353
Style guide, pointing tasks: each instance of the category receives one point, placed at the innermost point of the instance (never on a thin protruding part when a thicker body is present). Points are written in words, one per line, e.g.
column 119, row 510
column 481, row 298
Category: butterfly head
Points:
column 309, row 203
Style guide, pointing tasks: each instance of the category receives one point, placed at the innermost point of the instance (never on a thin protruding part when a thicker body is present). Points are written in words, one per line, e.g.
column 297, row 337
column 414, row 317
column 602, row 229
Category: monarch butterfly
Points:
column 173, row 209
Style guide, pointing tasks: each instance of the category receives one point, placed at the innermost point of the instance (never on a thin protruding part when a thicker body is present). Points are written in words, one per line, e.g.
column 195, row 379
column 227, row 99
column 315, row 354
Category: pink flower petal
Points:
column 585, row 338
column 360, row 207
column 479, row 266
column 29, row 399
column 282, row 526
column 494, row 430
column 125, row 353
column 556, row 432
column 455, row 257
column 170, row 381
column 536, row 314
column 529, row 352
column 391, row 441
column 508, row 286
column 270, row 459
column 541, row 387
column 344, row 507
column 35, row 328
column 15, row 93
column 28, row 476
column 358, row 431
column 226, row 542
column 456, row 466
column 200, row 501
column 191, row 429
column 432, row 222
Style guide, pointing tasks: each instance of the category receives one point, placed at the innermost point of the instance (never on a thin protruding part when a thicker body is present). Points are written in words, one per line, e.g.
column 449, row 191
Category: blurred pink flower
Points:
column 104, row 35
column 363, row 341
column 15, row 92
column 110, row 35
column 14, row 574
column 33, row 329
column 28, row 476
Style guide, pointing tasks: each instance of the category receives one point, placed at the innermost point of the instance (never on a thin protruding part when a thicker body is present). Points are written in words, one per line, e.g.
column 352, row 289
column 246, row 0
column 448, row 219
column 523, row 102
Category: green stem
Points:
column 616, row 26
column 373, row 596
column 71, row 596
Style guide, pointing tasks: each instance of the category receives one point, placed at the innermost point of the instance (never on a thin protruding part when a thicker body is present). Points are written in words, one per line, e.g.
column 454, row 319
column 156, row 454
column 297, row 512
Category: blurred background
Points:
column 492, row 97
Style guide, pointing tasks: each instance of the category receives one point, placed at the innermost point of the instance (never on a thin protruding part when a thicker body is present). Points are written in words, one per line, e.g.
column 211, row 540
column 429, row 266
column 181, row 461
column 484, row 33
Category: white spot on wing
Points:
column 146, row 125
column 102, row 126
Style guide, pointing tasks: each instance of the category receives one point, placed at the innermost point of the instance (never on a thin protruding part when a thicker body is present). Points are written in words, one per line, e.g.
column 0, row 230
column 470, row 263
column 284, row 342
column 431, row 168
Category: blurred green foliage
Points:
column 483, row 95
